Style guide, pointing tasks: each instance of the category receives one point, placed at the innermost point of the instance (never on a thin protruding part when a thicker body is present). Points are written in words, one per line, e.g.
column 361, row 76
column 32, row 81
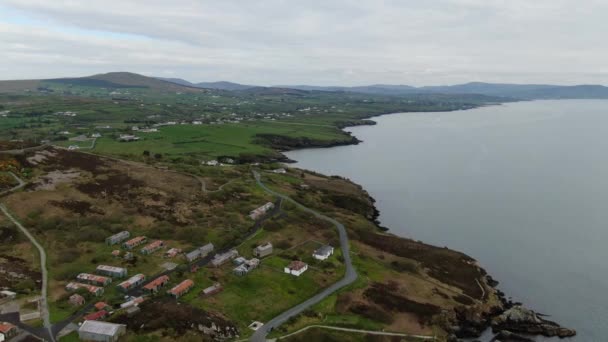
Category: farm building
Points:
column 296, row 268
column 211, row 290
column 181, row 288
column 101, row 331
column 220, row 259
column 96, row 315
column 153, row 247
column 112, row 271
column 172, row 253
column 246, row 267
column 127, row 138
column 7, row 331
column 261, row 211
column 76, row 300
column 132, row 282
column 133, row 301
column 200, row 252
column 118, row 237
column 156, row 284
column 134, row 242
column 263, row 250
column 323, row 253
column 93, row 279
column 98, row 291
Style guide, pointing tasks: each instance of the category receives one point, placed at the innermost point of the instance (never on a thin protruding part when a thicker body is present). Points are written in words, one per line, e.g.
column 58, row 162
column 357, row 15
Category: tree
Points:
column 146, row 153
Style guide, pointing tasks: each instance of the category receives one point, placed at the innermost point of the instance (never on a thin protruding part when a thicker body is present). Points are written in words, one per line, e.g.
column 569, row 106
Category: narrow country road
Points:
column 349, row 276
column 16, row 187
column 360, row 331
column 44, row 308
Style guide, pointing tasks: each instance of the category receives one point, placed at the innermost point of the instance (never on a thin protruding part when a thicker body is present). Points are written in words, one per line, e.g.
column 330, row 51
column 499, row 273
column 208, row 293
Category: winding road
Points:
column 44, row 307
column 349, row 276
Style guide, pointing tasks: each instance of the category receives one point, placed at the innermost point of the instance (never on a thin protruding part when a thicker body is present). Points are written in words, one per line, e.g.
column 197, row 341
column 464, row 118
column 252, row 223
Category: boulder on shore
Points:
column 519, row 319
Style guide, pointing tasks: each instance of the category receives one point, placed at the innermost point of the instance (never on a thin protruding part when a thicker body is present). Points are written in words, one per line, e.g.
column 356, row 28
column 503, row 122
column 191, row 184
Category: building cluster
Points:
column 245, row 266
column 261, row 211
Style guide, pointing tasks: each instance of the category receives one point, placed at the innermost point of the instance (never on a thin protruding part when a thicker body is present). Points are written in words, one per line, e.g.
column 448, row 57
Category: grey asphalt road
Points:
column 349, row 277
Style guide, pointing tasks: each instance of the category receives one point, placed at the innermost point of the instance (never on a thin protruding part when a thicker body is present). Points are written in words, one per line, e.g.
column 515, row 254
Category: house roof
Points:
column 100, row 305
column 95, row 315
column 183, row 286
column 324, row 250
column 6, row 327
column 156, row 282
column 297, row 265
column 100, row 328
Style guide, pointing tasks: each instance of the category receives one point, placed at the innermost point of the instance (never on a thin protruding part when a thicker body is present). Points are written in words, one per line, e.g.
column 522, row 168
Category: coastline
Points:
column 507, row 320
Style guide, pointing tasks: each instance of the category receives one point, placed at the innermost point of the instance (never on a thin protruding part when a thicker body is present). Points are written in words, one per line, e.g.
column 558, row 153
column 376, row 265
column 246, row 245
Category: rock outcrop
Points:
column 519, row 319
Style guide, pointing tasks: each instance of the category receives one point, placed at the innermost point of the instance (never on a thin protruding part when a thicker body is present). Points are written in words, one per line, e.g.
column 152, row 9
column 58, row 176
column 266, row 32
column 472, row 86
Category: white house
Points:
column 296, row 268
column 212, row 163
column 281, row 170
column 323, row 253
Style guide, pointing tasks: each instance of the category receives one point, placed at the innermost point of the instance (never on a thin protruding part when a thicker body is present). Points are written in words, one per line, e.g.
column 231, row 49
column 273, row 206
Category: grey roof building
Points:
column 263, row 250
column 101, row 331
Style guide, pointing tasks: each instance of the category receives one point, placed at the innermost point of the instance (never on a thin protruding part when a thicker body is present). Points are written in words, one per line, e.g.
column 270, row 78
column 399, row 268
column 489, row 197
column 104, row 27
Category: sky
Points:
column 315, row 42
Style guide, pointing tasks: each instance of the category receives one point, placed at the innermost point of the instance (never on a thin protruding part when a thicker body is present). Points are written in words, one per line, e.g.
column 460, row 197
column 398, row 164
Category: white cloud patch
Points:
column 315, row 42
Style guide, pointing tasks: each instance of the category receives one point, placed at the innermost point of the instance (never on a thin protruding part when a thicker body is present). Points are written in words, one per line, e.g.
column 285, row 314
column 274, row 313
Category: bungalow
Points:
column 211, row 290
column 259, row 212
column 296, row 268
column 181, row 288
column 93, row 279
column 263, row 250
column 200, row 252
column 132, row 282
column 72, row 286
column 76, row 300
column 157, row 283
column 323, row 253
column 112, row 271
column 152, row 247
column 96, row 315
column 220, row 259
column 136, row 241
column 7, row 331
column 172, row 253
column 118, row 237
column 246, row 267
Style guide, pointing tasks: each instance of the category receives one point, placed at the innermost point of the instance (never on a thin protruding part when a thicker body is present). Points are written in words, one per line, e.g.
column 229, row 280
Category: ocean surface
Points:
column 521, row 187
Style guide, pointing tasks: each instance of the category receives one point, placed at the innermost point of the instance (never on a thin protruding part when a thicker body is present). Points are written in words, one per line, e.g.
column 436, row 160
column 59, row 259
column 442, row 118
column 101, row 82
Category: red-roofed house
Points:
column 7, row 331
column 296, row 268
column 101, row 306
column 181, row 289
column 96, row 315
column 156, row 284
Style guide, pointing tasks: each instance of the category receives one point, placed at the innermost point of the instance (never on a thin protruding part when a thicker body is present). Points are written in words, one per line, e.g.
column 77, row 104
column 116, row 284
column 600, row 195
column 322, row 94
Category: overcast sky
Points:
column 321, row 42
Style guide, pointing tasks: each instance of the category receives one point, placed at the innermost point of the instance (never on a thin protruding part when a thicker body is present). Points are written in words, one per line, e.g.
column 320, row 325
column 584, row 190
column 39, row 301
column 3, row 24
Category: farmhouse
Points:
column 7, row 331
column 136, row 241
column 112, row 271
column 181, row 288
column 101, row 331
column 296, row 268
column 118, row 237
column 132, row 282
column 172, row 253
column 97, row 291
column 200, row 252
column 246, row 267
column 261, row 211
column 220, row 259
column 76, row 300
column 323, row 253
column 152, row 247
column 93, row 279
column 211, row 290
column 263, row 250
column 156, row 284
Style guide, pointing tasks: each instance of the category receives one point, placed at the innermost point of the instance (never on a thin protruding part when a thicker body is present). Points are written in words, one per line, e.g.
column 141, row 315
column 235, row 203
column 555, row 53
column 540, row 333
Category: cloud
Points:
column 318, row 42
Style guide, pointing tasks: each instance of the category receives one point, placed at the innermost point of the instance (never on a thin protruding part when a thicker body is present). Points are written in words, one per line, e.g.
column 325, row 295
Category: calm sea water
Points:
column 521, row 187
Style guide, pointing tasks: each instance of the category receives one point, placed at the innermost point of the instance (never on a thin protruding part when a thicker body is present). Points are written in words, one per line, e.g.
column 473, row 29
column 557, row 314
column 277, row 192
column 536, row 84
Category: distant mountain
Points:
column 223, row 85
column 177, row 81
column 520, row 91
column 111, row 80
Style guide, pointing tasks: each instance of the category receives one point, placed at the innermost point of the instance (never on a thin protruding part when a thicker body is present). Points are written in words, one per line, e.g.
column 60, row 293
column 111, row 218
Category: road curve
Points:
column 43, row 301
column 349, row 277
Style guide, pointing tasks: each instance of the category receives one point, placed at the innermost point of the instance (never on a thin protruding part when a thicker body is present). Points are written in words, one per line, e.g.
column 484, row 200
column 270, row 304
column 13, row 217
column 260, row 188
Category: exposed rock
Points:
column 507, row 336
column 521, row 320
